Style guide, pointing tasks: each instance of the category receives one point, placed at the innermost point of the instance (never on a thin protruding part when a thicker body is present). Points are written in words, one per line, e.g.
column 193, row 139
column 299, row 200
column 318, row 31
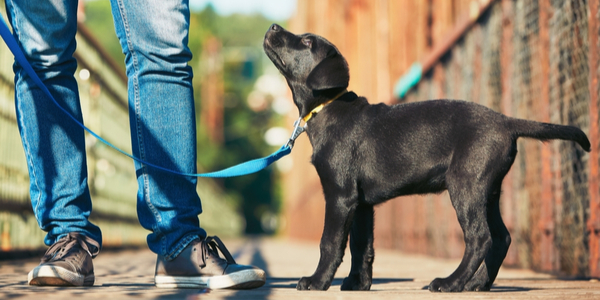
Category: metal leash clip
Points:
column 298, row 130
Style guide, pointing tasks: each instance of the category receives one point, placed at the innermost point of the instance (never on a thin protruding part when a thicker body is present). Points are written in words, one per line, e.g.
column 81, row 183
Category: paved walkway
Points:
column 129, row 275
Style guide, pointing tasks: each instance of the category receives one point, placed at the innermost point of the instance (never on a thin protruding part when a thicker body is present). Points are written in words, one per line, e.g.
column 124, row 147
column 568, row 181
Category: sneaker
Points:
column 200, row 266
column 67, row 263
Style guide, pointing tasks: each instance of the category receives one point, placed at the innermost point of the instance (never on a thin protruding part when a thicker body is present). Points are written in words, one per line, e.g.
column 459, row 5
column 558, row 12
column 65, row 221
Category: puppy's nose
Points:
column 275, row 27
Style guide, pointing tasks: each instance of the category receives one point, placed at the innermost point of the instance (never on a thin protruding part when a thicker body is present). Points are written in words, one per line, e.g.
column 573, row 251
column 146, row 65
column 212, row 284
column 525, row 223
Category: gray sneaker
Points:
column 67, row 263
column 200, row 266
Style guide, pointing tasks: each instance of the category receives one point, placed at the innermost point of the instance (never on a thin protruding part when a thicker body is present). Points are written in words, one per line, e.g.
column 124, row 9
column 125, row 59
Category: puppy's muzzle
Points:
column 271, row 37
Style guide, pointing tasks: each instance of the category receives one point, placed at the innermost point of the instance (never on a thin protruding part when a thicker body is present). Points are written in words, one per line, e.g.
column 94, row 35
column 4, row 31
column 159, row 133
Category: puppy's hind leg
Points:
column 361, row 247
column 470, row 204
column 485, row 276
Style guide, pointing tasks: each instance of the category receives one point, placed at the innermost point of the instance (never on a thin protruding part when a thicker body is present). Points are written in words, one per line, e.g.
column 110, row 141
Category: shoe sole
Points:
column 57, row 276
column 245, row 279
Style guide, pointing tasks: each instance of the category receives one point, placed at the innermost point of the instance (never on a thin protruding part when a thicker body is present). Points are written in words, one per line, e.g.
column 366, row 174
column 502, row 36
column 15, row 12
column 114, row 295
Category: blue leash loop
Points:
column 245, row 168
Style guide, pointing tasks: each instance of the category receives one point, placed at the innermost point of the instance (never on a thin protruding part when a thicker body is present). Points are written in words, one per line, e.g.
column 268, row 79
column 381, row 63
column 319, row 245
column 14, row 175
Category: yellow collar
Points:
column 320, row 107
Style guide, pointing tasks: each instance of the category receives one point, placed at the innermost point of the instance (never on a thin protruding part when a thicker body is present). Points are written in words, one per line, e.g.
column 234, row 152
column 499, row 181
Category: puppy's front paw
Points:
column 304, row 284
column 353, row 283
column 308, row 283
column 443, row 285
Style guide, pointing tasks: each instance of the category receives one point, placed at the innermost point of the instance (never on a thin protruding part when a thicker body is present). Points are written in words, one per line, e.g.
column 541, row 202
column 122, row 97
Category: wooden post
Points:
column 594, row 176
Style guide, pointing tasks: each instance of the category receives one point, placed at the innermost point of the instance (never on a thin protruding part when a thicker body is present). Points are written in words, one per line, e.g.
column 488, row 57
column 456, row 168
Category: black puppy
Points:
column 367, row 154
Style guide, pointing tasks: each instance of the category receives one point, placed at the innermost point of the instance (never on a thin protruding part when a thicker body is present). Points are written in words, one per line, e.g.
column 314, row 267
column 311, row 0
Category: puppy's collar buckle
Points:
column 321, row 106
column 298, row 130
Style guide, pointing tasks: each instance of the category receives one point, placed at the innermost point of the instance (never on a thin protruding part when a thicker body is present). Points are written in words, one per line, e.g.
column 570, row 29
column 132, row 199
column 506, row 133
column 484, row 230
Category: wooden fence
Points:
column 525, row 58
column 111, row 175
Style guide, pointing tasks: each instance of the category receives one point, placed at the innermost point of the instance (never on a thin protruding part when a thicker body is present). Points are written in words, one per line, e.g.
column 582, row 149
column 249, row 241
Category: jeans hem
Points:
column 183, row 243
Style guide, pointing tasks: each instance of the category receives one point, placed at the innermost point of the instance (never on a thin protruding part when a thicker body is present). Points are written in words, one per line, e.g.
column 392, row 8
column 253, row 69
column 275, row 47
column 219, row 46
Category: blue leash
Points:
column 245, row 168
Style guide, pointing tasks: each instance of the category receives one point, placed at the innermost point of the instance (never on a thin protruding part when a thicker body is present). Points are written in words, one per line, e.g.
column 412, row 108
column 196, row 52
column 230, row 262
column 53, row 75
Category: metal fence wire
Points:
column 529, row 59
column 569, row 98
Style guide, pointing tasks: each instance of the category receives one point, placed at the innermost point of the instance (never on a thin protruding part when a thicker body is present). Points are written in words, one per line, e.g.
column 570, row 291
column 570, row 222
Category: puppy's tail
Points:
column 547, row 131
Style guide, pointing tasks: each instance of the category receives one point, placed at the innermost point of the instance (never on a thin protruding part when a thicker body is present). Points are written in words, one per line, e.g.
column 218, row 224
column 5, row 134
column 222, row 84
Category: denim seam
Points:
column 26, row 146
column 136, row 100
column 33, row 180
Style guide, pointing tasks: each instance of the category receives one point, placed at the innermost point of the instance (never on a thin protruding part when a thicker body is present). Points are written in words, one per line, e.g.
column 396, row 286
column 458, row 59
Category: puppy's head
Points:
column 313, row 67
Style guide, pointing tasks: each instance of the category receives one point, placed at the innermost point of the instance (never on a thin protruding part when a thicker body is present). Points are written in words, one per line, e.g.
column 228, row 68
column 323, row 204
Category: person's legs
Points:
column 54, row 146
column 154, row 35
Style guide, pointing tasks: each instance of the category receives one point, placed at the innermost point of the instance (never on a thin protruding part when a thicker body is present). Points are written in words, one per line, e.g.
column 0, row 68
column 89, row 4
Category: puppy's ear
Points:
column 330, row 73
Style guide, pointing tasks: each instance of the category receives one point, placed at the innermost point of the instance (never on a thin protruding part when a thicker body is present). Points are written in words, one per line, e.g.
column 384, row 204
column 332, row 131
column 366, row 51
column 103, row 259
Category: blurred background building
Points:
column 535, row 59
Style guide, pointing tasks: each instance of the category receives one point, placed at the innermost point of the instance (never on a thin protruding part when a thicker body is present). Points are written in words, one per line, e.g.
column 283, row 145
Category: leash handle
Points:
column 245, row 168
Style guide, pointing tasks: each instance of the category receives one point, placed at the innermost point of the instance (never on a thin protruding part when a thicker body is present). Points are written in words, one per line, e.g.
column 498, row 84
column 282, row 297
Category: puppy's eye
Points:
column 307, row 42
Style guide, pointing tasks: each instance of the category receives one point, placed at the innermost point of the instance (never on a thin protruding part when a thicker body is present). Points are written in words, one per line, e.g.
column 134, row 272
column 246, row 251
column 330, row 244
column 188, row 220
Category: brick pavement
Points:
column 129, row 274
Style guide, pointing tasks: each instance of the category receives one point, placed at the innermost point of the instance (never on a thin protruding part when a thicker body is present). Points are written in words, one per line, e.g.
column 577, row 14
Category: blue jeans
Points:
column 154, row 36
